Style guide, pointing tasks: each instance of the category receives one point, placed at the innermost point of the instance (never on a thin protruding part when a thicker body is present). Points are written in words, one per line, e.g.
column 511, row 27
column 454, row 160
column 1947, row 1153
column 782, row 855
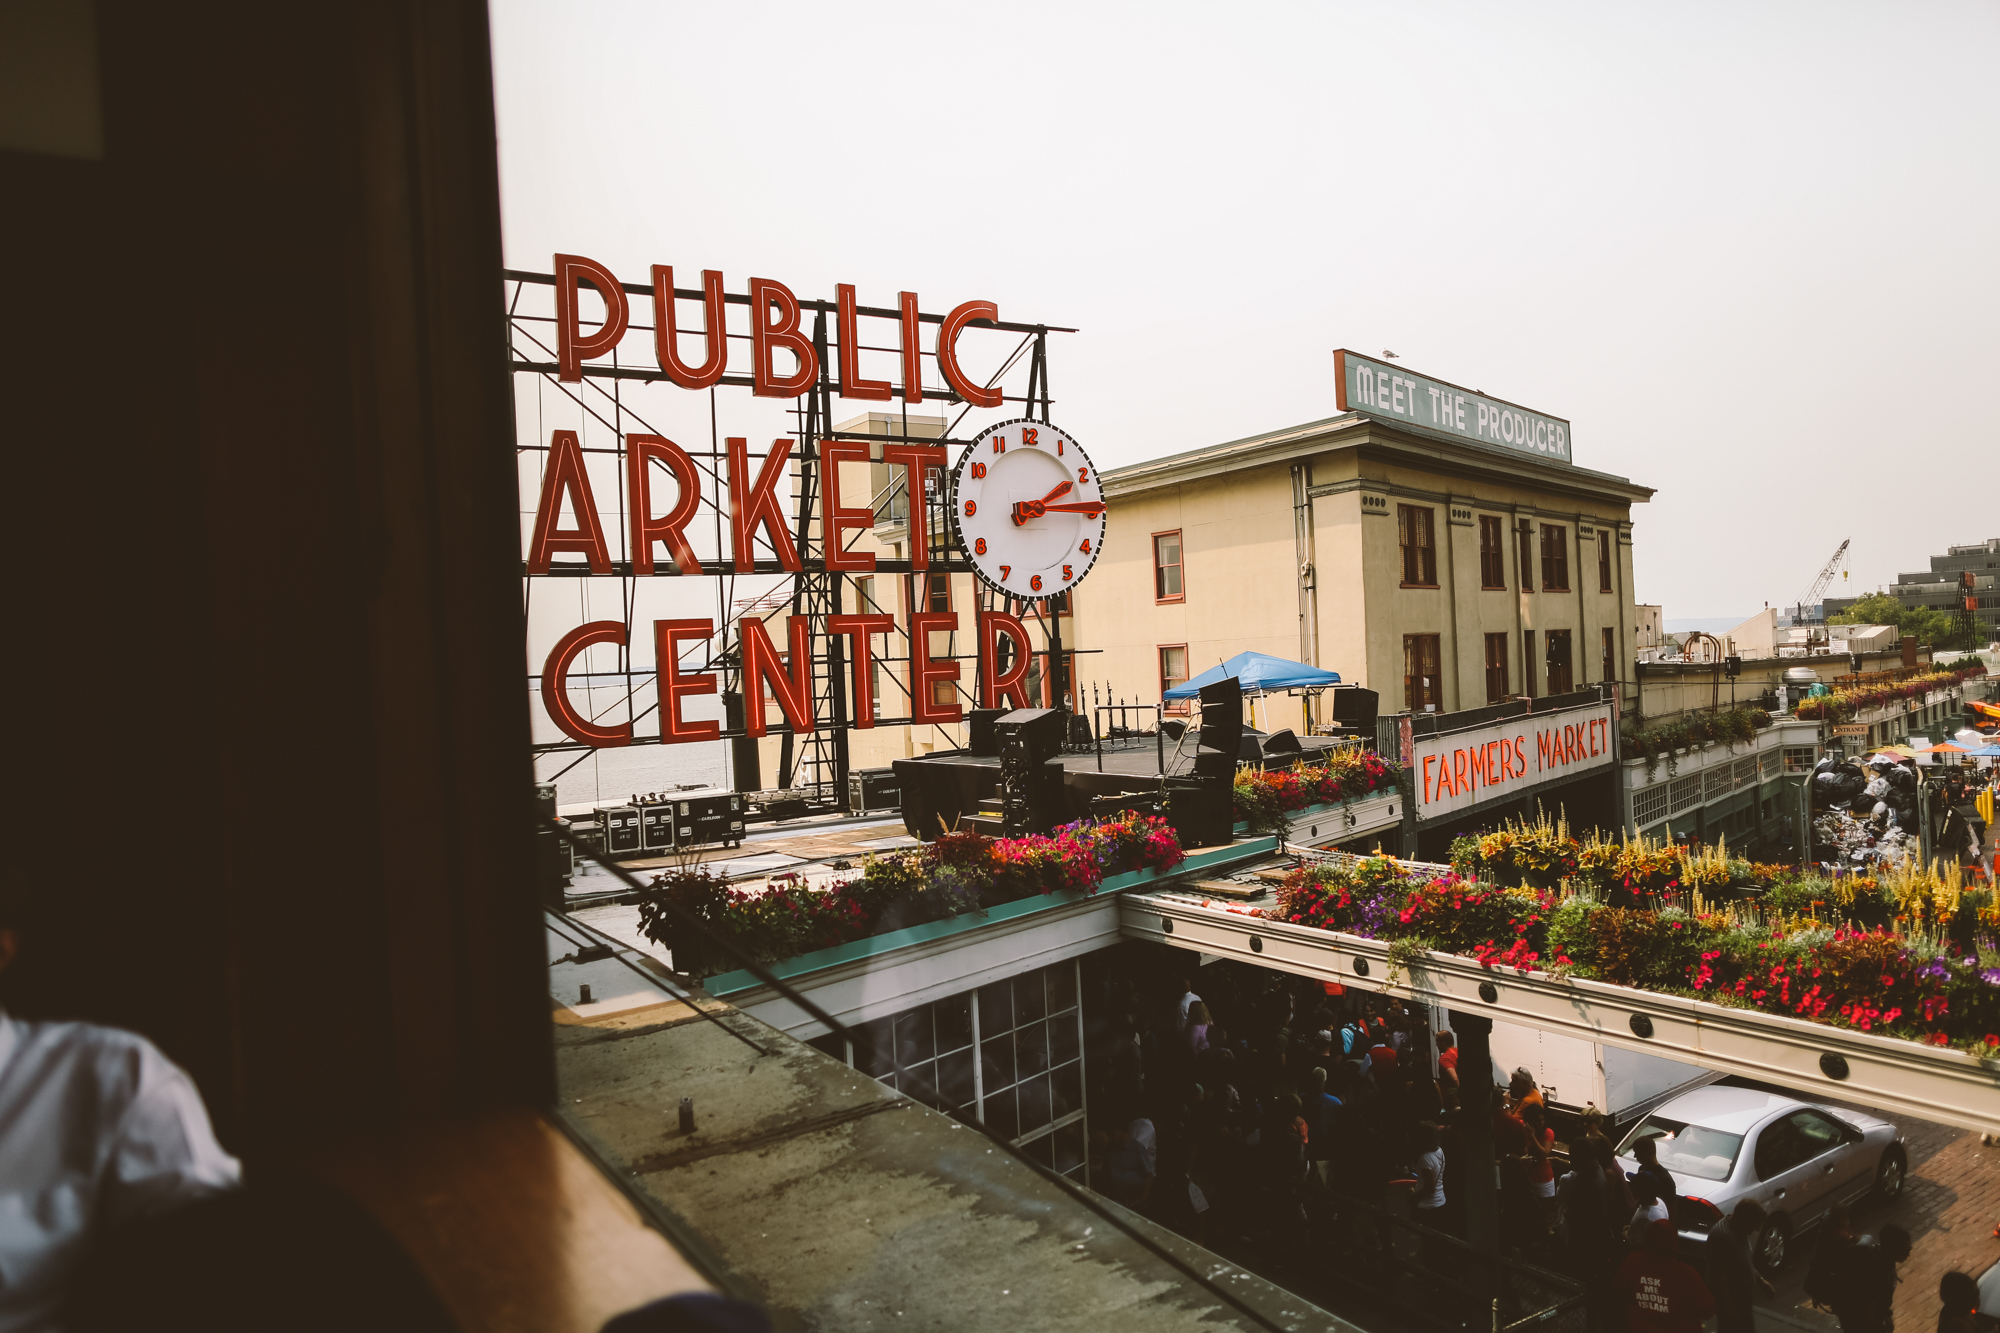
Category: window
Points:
column 1560, row 679
column 1610, row 671
column 1496, row 668
column 1605, row 538
column 1173, row 671
column 864, row 595
column 1555, row 558
column 937, row 592
column 1023, row 1076
column 1492, row 553
column 1527, row 551
column 1688, row 1150
column 1420, row 557
column 1038, row 682
column 1167, row 566
column 1420, row 672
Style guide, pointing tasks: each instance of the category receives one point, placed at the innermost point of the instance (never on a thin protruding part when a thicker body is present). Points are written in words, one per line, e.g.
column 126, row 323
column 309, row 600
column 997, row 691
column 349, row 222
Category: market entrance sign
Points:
column 1510, row 758
column 1383, row 390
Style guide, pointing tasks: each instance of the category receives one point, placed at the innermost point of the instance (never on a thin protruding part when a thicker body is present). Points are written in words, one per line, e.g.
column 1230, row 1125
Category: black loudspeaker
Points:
column 1221, row 730
column 1030, row 785
column 982, row 720
column 1202, row 811
column 1028, row 735
column 1283, row 742
column 1355, row 708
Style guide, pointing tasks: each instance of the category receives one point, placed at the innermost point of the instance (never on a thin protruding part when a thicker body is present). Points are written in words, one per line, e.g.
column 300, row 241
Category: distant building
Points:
column 1939, row 589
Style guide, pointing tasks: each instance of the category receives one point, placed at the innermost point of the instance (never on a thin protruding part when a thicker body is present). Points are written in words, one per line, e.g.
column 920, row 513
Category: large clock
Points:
column 1029, row 509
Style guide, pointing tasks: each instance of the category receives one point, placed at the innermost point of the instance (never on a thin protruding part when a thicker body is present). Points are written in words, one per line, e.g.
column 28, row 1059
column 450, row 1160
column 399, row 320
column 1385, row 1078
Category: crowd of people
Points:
column 1249, row 1113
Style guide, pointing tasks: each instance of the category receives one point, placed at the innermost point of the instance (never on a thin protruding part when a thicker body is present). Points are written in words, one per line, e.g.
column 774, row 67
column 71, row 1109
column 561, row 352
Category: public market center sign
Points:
column 1511, row 758
column 1382, row 390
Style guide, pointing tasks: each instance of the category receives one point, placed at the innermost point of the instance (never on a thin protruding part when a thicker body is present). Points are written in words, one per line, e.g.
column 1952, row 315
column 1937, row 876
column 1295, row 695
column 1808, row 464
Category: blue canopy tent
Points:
column 1259, row 673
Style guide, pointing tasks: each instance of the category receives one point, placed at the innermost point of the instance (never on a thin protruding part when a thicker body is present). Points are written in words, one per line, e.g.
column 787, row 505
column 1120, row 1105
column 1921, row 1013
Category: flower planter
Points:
column 1895, row 1075
column 1203, row 862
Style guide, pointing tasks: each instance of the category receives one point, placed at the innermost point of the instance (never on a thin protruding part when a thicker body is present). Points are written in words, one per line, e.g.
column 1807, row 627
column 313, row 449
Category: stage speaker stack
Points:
column 1031, row 787
column 1354, row 709
column 1221, row 730
column 1202, row 807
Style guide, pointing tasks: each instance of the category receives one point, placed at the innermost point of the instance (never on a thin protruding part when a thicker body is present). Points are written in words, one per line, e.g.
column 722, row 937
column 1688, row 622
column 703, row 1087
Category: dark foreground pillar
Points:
column 1475, row 1131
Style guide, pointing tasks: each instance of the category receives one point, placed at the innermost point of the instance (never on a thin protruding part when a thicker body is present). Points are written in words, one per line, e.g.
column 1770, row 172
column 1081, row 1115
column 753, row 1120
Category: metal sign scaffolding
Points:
column 814, row 764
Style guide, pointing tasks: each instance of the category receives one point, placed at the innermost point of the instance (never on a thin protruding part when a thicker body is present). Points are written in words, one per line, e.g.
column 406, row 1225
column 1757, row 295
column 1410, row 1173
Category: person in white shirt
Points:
column 98, row 1129
column 1651, row 1209
column 1188, row 1000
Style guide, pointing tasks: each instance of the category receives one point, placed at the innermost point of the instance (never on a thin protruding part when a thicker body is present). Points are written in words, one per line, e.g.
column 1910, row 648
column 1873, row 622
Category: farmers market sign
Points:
column 1467, row 768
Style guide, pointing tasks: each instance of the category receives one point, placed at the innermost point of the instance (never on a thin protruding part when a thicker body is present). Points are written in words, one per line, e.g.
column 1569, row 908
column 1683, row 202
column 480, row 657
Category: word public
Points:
column 774, row 327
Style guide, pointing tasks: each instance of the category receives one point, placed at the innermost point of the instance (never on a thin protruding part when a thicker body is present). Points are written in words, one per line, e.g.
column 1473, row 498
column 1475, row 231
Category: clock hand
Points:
column 1092, row 507
column 1027, row 509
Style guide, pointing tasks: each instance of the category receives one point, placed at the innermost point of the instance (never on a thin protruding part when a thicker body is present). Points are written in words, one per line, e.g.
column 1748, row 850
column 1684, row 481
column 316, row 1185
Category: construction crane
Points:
column 1818, row 589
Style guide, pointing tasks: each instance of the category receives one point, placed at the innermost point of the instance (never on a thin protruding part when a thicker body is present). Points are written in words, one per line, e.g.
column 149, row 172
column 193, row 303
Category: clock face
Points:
column 1028, row 508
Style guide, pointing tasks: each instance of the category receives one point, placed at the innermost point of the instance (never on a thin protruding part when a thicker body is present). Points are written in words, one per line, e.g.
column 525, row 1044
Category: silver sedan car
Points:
column 1723, row 1145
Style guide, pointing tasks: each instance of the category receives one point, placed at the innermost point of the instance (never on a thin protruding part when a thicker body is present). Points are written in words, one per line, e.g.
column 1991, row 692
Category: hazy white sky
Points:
column 1749, row 250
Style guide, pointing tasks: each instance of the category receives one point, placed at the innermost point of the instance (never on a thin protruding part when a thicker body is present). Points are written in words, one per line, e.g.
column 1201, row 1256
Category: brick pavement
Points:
column 1949, row 1206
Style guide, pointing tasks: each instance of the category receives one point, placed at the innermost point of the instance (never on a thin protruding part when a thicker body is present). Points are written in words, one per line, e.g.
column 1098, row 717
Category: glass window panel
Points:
column 996, row 1008
column 1067, row 1082
column 1069, row 1145
column 920, row 1083
column 913, row 1036
column 1063, row 1040
column 1031, row 1049
column 955, row 1077
column 1029, row 1006
column 1034, row 1103
column 1000, row 1117
column 1062, row 987
column 874, row 1047
column 832, row 1044
column 954, row 1022
column 1041, row 1150
column 997, row 1057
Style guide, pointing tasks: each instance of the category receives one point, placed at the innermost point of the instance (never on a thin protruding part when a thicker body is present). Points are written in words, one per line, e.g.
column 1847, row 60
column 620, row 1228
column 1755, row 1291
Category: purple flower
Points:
column 1991, row 976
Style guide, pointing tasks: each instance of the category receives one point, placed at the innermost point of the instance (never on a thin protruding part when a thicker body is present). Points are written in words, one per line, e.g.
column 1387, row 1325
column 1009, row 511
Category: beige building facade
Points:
column 1441, row 573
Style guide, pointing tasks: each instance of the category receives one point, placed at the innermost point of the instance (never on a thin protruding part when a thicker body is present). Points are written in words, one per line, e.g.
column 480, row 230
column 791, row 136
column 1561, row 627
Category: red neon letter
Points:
column 917, row 459
column 766, row 336
column 851, row 383
column 862, row 628
column 555, row 686
column 566, row 475
column 913, row 350
column 646, row 529
column 761, row 667
column 667, row 635
column 947, row 352
column 714, row 331
column 751, row 505
column 834, row 518
column 571, row 346
column 923, row 671
column 1013, row 684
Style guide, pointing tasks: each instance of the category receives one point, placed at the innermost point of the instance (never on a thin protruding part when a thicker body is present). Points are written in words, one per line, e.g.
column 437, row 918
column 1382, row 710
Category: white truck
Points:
column 1573, row 1073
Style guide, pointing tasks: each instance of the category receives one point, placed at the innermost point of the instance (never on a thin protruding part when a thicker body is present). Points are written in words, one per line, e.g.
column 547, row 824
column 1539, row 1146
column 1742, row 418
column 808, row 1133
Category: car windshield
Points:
column 1687, row 1150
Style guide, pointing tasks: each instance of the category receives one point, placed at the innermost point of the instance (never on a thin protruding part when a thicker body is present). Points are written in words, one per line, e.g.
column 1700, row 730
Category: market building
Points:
column 1440, row 563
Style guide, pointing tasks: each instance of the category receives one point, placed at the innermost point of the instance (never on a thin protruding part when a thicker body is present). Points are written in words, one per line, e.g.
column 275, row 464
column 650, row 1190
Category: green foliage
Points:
column 1927, row 623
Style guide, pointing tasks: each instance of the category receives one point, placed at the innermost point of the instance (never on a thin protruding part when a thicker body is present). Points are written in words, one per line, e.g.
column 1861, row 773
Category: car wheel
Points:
column 1773, row 1246
column 1889, row 1175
